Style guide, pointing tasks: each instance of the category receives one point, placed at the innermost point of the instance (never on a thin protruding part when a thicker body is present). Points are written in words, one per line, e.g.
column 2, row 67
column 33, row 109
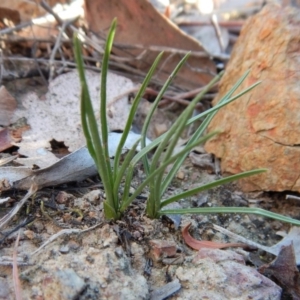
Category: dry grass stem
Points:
column 15, row 210
column 63, row 232
column 17, row 283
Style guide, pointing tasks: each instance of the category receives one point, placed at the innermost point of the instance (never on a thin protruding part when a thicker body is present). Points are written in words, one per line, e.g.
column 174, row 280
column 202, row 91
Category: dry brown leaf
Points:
column 76, row 166
column 44, row 26
column 139, row 23
column 284, row 271
column 57, row 115
column 28, row 9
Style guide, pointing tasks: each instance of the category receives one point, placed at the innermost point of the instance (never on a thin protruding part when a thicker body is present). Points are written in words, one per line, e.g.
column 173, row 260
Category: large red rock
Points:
column 262, row 129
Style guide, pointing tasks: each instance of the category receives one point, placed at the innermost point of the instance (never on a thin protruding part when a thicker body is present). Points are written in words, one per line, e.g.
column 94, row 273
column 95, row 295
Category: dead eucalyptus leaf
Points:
column 57, row 115
column 76, row 166
column 143, row 32
column 284, row 270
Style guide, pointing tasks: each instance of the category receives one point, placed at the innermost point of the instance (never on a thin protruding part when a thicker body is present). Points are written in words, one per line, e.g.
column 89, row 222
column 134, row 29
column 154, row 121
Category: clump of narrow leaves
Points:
column 112, row 174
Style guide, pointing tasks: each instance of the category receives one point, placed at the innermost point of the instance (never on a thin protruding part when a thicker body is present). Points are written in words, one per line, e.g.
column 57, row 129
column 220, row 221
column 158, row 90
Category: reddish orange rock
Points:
column 262, row 129
column 161, row 249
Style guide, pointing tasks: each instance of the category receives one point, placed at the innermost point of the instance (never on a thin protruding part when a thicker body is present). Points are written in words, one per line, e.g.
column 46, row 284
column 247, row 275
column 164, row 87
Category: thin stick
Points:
column 155, row 93
column 47, row 8
column 214, row 21
column 15, row 28
column 55, row 49
column 16, row 280
column 242, row 239
column 227, row 24
column 292, row 197
column 62, row 232
column 164, row 63
column 15, row 210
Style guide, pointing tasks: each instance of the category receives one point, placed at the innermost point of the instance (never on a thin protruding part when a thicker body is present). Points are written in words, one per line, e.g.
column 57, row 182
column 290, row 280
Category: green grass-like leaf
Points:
column 230, row 210
column 211, row 185
column 97, row 148
column 97, row 143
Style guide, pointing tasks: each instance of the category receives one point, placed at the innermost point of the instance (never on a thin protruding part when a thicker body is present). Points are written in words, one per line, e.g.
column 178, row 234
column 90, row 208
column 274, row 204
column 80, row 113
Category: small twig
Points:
column 214, row 21
column 292, row 197
column 193, row 93
column 15, row 210
column 8, row 261
column 150, row 91
column 64, row 62
column 204, row 71
column 16, row 280
column 227, row 24
column 22, row 39
column 192, row 126
column 15, row 28
column 55, row 49
column 165, row 62
column 181, row 96
column 47, row 8
column 164, row 49
column 23, row 224
column 241, row 239
column 62, row 232
column 46, row 62
column 217, row 166
column 167, row 98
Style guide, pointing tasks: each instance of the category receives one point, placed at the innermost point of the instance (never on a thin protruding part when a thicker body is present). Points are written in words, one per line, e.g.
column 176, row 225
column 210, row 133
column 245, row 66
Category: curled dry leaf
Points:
column 197, row 245
column 284, row 272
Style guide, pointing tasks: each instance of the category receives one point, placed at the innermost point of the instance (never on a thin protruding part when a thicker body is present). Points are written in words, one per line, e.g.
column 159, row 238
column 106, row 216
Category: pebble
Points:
column 64, row 249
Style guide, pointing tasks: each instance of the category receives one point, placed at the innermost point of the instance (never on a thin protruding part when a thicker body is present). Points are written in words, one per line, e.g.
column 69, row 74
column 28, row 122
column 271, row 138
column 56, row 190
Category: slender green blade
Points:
column 221, row 104
column 133, row 110
column 169, row 177
column 109, row 212
column 227, row 210
column 122, row 170
column 85, row 97
column 160, row 169
column 225, row 100
column 211, row 185
column 158, row 140
column 103, row 115
column 126, row 200
column 89, row 122
column 104, row 71
column 154, row 106
column 153, row 203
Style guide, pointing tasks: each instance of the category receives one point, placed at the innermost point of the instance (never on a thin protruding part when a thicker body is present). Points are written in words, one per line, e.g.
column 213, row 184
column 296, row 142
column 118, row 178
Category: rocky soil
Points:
column 138, row 258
